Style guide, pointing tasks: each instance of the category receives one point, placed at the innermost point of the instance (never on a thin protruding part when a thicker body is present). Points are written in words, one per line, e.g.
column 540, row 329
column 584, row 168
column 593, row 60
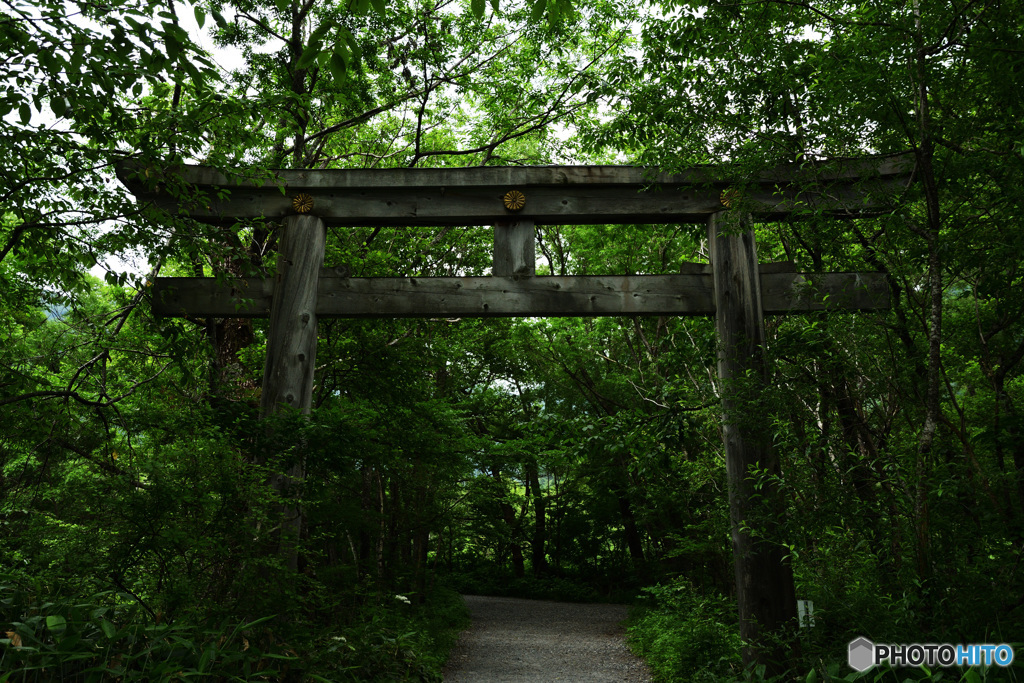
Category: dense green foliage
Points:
column 575, row 459
column 684, row 635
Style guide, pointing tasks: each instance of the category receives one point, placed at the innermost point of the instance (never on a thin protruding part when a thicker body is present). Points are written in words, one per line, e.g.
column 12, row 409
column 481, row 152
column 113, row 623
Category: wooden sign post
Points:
column 734, row 288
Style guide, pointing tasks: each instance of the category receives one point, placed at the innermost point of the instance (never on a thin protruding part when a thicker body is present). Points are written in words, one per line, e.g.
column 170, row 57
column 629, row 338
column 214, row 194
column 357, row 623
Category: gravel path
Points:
column 513, row 640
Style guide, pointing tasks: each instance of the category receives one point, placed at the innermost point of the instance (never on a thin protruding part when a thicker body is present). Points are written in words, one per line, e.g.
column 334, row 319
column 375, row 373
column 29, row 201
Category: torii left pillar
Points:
column 291, row 352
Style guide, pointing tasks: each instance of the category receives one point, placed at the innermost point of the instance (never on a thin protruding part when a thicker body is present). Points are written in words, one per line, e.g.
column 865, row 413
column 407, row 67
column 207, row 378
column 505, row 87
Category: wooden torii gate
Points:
column 735, row 287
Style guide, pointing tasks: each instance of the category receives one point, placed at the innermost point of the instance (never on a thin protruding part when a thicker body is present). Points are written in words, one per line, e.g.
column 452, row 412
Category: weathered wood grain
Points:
column 291, row 344
column 764, row 579
column 683, row 294
column 841, row 168
column 291, row 356
column 515, row 254
column 554, row 195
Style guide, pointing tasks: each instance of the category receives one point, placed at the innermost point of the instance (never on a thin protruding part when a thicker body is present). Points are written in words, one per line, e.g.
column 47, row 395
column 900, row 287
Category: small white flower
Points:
column 341, row 638
column 402, row 598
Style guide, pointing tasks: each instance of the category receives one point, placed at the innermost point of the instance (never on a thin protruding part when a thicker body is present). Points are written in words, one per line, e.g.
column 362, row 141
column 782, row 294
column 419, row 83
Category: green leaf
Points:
column 282, row 5
column 538, row 10
column 354, row 51
column 321, row 31
column 338, row 64
column 108, row 629
column 315, row 45
column 208, row 654
column 56, row 623
column 261, row 620
column 558, row 10
column 200, row 16
column 25, row 112
column 59, row 106
column 219, row 19
column 137, row 27
column 378, row 6
column 173, row 47
column 478, row 8
column 310, row 54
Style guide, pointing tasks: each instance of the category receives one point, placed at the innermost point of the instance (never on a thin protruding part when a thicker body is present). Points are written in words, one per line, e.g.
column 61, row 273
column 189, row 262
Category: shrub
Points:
column 393, row 640
column 107, row 636
column 110, row 637
column 684, row 635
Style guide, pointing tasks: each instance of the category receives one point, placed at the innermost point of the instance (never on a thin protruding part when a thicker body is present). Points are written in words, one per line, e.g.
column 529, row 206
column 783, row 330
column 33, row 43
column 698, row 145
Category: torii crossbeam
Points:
column 734, row 288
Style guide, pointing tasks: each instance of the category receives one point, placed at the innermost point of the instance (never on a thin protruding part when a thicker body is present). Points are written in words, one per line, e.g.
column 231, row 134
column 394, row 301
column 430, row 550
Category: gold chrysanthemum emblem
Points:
column 514, row 200
column 303, row 203
column 729, row 195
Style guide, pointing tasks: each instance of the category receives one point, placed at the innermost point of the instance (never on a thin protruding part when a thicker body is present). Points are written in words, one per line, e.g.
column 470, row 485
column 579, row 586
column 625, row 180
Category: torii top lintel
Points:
column 547, row 194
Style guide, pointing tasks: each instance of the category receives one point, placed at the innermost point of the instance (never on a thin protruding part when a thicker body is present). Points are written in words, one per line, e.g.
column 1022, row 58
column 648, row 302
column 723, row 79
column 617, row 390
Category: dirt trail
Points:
column 514, row 640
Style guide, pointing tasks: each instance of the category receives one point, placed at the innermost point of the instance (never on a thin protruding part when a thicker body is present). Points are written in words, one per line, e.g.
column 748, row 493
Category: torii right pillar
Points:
column 764, row 577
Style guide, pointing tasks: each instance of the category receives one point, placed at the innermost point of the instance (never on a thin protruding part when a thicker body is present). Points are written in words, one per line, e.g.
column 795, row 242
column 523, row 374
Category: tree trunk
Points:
column 509, row 515
column 540, row 562
column 633, row 540
column 366, row 505
column 518, row 562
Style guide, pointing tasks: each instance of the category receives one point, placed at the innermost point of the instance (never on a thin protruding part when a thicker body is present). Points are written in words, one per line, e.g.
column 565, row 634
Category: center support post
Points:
column 514, row 252
column 764, row 577
column 291, row 353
